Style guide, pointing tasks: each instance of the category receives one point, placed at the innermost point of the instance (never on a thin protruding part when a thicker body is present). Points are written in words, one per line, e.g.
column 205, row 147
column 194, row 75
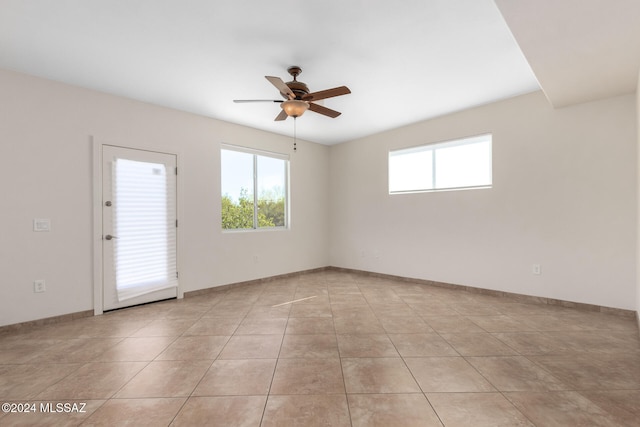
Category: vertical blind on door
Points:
column 144, row 226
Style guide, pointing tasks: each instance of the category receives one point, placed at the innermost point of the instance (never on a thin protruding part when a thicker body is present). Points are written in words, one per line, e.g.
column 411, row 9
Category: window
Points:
column 462, row 163
column 254, row 189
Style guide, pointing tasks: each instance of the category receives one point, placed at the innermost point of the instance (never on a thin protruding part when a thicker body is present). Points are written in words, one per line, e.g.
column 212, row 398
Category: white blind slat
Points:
column 144, row 224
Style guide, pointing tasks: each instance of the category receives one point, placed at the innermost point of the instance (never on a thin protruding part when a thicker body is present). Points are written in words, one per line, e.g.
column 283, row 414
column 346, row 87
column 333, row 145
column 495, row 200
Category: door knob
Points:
column 109, row 237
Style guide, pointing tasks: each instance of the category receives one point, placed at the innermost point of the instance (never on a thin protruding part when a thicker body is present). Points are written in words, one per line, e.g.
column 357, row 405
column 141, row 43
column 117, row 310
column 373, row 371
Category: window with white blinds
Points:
column 144, row 228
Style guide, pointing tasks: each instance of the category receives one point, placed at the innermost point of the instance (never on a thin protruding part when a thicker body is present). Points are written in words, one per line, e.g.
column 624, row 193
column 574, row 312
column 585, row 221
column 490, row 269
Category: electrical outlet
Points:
column 255, row 259
column 39, row 286
column 536, row 269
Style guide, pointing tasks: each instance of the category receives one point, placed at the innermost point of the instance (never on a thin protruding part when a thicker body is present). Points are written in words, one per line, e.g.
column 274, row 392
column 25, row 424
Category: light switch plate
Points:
column 41, row 224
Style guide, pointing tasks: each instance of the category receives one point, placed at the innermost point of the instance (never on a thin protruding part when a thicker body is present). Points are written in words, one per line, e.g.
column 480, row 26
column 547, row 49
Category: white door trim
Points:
column 97, row 217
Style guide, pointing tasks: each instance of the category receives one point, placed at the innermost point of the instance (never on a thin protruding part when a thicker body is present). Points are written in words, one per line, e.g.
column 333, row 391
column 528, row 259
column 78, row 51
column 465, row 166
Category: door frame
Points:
column 97, row 145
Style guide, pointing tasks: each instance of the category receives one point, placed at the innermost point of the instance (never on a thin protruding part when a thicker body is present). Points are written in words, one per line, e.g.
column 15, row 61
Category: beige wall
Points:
column 563, row 196
column 46, row 130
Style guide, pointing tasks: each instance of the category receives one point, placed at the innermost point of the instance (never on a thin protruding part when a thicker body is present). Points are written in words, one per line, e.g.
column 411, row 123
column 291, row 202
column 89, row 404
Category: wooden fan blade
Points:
column 324, row 94
column 239, row 101
column 281, row 86
column 281, row 116
column 323, row 110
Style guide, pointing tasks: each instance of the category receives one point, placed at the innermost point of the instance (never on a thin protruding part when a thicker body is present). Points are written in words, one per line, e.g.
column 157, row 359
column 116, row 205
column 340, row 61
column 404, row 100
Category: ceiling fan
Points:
column 298, row 99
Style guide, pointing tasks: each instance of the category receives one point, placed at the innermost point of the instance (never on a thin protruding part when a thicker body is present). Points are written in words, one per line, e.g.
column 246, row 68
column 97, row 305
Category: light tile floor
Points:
column 363, row 351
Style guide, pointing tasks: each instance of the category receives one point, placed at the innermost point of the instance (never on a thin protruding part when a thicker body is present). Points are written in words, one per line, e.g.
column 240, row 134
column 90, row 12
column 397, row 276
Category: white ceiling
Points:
column 403, row 61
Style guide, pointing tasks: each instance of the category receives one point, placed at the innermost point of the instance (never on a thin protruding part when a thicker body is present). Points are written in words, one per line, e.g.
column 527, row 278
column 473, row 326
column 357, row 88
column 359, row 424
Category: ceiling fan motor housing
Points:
column 298, row 88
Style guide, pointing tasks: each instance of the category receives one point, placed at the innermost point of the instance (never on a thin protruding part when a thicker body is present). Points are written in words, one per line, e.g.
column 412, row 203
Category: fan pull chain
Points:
column 295, row 146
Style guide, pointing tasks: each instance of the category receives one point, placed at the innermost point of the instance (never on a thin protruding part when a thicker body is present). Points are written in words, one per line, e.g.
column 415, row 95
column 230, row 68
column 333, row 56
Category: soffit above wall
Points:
column 579, row 50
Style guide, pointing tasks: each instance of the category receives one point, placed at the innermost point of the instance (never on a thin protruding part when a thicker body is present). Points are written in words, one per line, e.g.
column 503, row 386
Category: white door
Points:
column 139, row 227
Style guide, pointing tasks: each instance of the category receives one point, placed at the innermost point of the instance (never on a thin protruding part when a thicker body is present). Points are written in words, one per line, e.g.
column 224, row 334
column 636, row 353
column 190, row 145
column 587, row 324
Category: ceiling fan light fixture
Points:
column 298, row 99
column 294, row 107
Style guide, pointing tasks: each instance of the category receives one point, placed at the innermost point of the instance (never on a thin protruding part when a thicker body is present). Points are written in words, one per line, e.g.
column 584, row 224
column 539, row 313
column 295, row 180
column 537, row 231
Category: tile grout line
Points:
column 344, row 381
column 205, row 373
column 412, row 374
column 275, row 367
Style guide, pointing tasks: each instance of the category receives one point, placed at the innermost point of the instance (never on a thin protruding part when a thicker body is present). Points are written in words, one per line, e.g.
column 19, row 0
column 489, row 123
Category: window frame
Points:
column 433, row 148
column 255, row 153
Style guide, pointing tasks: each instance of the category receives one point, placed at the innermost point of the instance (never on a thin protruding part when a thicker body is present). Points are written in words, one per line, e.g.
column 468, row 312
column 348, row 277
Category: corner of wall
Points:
column 638, row 203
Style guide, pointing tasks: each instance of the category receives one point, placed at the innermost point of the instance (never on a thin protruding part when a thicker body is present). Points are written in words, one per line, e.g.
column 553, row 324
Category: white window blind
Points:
column 144, row 227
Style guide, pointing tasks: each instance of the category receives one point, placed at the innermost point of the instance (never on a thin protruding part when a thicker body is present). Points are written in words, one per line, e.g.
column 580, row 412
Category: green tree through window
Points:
column 251, row 181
